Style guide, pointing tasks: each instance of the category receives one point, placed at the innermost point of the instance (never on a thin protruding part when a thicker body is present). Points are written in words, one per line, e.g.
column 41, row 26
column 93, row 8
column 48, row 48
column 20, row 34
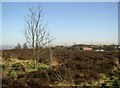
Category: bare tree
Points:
column 36, row 33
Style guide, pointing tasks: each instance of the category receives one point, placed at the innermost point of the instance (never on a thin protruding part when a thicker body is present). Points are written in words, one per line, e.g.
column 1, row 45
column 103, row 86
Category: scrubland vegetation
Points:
column 40, row 67
column 68, row 68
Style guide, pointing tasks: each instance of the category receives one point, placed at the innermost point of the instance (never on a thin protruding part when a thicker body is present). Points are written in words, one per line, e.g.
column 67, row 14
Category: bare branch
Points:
column 35, row 32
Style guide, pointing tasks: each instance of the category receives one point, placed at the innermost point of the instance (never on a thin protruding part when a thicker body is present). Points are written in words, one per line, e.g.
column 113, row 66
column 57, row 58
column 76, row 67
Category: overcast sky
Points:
column 68, row 22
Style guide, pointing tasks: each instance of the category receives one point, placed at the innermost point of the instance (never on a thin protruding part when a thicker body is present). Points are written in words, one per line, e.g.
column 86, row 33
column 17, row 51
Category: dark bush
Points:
column 19, row 84
column 6, row 81
column 6, row 56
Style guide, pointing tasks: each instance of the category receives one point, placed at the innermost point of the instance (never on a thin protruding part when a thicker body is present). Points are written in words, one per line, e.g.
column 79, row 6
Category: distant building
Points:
column 99, row 50
column 87, row 48
column 118, row 47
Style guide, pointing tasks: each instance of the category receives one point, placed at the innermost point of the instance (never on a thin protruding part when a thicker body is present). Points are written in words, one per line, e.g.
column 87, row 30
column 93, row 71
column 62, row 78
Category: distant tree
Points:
column 18, row 46
column 25, row 46
column 109, row 47
column 36, row 34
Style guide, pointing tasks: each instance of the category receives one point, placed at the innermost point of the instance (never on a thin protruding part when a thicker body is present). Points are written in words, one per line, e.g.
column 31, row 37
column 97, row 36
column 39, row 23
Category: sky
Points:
column 0, row 25
column 60, row 0
column 68, row 22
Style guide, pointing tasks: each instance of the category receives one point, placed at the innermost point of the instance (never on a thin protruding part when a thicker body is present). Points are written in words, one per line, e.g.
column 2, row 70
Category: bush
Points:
column 19, row 84
column 6, row 56
column 6, row 81
column 114, row 81
column 42, row 66
column 29, row 66
column 36, row 82
column 18, row 67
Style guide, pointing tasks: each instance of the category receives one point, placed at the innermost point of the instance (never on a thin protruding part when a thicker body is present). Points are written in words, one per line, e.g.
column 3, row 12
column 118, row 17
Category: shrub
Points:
column 6, row 81
column 6, row 56
column 29, row 67
column 19, row 83
column 37, row 83
column 18, row 67
column 42, row 66
column 114, row 81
